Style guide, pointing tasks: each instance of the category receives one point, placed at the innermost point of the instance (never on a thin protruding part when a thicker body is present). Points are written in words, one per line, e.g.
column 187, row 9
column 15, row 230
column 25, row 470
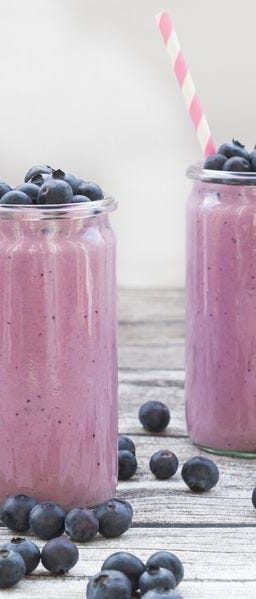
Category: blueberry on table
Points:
column 55, row 191
column 254, row 498
column 161, row 594
column 235, row 148
column 200, row 474
column 12, row 568
column 59, row 555
column 70, row 179
column 154, row 416
column 81, row 525
column 16, row 197
column 28, row 551
column 168, row 560
column 47, row 520
column 237, row 165
column 115, row 517
column 4, row 188
column 127, row 563
column 215, row 162
column 15, row 512
column 156, row 577
column 90, row 190
column 38, row 169
column 31, row 190
column 109, row 584
column 78, row 199
column 127, row 464
column 126, row 443
column 163, row 464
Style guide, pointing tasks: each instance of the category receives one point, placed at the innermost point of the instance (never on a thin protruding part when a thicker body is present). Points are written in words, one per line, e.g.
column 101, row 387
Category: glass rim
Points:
column 76, row 210
column 198, row 172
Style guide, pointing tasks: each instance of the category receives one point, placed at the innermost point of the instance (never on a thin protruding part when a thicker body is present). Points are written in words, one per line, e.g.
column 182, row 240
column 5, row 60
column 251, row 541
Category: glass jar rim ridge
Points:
column 199, row 173
column 43, row 211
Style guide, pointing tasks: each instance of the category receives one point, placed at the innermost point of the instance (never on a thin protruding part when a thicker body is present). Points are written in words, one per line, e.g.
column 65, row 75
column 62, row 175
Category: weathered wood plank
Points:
column 150, row 305
column 172, row 356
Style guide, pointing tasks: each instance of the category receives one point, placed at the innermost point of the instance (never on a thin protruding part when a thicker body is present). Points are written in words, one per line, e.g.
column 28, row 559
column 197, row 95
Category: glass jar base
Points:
column 249, row 455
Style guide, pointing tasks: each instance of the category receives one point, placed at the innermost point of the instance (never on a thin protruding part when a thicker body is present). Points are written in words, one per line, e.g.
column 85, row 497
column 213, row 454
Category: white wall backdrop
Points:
column 86, row 85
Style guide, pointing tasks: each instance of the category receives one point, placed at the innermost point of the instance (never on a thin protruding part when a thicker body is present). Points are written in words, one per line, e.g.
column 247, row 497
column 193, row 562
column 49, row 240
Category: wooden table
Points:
column 213, row 534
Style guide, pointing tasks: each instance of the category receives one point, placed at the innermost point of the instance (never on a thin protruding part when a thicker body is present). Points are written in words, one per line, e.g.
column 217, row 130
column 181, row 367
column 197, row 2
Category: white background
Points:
column 87, row 86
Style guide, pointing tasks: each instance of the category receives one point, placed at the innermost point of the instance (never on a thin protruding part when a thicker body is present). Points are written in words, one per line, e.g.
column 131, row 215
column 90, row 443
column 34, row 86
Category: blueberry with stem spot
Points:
column 200, row 474
column 39, row 169
column 109, row 584
column 115, row 517
column 70, row 179
column 127, row 563
column 15, row 512
column 59, row 555
column 166, row 559
column 55, row 191
column 156, row 577
column 12, row 568
column 28, row 550
column 163, row 464
column 47, row 520
column 235, row 148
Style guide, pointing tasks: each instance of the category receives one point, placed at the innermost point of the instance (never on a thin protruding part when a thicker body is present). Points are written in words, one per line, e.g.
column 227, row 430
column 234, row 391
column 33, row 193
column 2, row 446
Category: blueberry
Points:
column 59, row 555
column 90, row 190
column 16, row 197
column 156, row 577
column 12, row 568
column 200, row 474
column 127, row 464
column 115, row 517
column 127, row 563
column 161, row 594
column 168, row 560
column 109, row 584
column 254, row 498
column 81, row 525
column 126, row 443
column 77, row 199
column 47, row 520
column 234, row 149
column 39, row 179
column 253, row 161
column 4, row 188
column 37, row 170
column 70, row 179
column 163, row 464
column 15, row 512
column 55, row 191
column 31, row 190
column 28, row 551
column 154, row 416
column 237, row 165
column 215, row 162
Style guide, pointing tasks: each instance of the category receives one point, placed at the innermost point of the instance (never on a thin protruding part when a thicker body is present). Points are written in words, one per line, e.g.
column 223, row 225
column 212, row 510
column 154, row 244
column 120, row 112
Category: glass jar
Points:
column 58, row 353
column 221, row 312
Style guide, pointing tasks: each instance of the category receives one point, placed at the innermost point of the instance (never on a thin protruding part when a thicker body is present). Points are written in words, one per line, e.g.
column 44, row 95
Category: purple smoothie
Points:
column 221, row 316
column 58, row 362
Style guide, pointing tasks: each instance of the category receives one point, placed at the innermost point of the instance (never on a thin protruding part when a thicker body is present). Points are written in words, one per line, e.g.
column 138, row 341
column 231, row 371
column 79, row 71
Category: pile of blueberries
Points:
column 232, row 157
column 46, row 185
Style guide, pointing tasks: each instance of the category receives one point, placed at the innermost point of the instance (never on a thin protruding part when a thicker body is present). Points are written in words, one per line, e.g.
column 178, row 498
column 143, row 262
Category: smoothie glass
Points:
column 221, row 312
column 58, row 353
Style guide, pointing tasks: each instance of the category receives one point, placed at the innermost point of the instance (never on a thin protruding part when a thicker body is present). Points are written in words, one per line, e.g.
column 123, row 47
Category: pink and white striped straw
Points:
column 186, row 83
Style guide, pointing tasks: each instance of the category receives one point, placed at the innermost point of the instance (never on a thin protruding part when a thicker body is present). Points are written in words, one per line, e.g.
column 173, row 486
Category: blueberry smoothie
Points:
column 58, row 360
column 221, row 308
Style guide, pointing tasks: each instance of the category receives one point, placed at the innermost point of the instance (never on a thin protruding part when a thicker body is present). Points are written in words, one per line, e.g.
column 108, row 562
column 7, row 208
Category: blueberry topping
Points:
column 28, row 551
column 200, row 474
column 156, row 577
column 37, row 170
column 127, row 563
column 254, row 498
column 154, row 416
column 16, row 197
column 81, row 525
column 39, row 179
column 12, row 568
column 90, row 190
column 70, row 179
column 237, row 164
column 126, row 443
column 47, row 520
column 109, row 584
column 59, row 555
column 4, row 188
column 77, row 199
column 163, row 464
column 15, row 512
column 215, row 162
column 161, row 594
column 127, row 464
column 115, row 517
column 31, row 190
column 235, row 148
column 167, row 560
column 55, row 191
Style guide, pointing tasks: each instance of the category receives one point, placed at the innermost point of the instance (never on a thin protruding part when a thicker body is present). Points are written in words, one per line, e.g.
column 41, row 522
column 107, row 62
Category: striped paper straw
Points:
column 185, row 81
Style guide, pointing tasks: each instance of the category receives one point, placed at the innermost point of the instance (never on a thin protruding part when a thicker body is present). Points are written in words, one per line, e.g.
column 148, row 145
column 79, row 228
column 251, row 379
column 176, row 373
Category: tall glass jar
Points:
column 58, row 353
column 221, row 312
